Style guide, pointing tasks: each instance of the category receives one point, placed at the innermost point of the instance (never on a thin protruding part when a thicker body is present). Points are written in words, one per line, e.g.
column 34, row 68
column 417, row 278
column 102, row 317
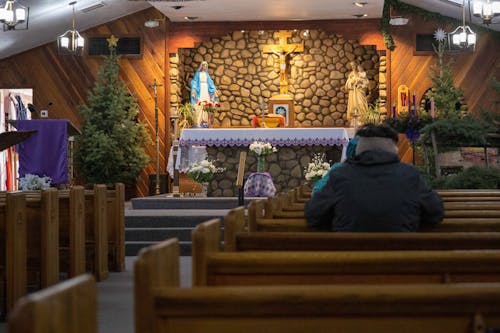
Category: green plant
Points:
column 186, row 114
column 111, row 147
column 372, row 115
column 457, row 132
column 472, row 178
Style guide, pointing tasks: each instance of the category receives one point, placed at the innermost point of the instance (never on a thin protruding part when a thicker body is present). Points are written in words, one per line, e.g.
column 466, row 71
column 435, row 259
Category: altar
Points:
column 296, row 147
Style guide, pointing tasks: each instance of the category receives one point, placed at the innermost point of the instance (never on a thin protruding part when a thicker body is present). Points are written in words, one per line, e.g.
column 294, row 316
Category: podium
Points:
column 47, row 151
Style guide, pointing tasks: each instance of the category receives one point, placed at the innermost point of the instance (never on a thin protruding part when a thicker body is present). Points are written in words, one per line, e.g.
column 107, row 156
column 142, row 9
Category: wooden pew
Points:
column 213, row 267
column 116, row 227
column 42, row 223
column 303, row 193
column 236, row 238
column 161, row 306
column 96, row 231
column 156, row 266
column 13, row 250
column 346, row 309
column 72, row 230
column 70, row 306
column 261, row 217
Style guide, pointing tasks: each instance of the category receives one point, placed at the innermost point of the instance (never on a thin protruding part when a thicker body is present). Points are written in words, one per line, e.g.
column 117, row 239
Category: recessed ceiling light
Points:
column 359, row 4
column 360, row 15
column 177, row 7
column 190, row 18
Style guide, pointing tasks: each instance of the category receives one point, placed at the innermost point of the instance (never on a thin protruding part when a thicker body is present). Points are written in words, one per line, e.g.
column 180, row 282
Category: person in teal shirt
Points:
column 350, row 152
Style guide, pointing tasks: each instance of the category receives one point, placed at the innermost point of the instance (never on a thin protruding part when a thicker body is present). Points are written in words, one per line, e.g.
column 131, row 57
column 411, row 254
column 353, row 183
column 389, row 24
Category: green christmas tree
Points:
column 111, row 147
column 445, row 94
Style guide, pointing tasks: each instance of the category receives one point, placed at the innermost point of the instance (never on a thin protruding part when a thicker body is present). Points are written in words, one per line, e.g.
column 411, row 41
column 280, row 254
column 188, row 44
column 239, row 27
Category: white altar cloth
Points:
column 195, row 137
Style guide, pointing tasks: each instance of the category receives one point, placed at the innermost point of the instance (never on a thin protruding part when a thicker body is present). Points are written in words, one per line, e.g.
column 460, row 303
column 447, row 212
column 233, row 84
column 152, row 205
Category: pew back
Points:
column 70, row 306
column 213, row 267
column 156, row 266
column 347, row 309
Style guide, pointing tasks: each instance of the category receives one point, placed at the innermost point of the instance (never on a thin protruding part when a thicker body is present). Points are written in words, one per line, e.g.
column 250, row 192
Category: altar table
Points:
column 229, row 137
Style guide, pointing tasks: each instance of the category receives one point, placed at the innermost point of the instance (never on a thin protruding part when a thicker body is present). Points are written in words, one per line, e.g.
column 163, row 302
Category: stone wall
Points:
column 285, row 166
column 245, row 77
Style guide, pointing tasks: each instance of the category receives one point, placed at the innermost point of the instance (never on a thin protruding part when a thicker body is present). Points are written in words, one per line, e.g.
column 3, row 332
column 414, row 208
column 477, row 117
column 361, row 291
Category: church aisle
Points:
column 116, row 298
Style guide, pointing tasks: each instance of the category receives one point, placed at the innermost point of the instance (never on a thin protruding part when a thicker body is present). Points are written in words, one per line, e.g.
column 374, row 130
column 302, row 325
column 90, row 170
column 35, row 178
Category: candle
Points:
column 414, row 104
column 394, row 110
column 433, row 111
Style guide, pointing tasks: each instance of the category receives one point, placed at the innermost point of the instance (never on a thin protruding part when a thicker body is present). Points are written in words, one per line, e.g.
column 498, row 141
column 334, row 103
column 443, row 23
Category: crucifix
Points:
column 282, row 50
column 157, row 137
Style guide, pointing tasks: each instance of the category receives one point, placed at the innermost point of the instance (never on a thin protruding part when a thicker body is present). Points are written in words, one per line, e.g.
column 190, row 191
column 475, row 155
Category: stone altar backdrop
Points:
column 245, row 76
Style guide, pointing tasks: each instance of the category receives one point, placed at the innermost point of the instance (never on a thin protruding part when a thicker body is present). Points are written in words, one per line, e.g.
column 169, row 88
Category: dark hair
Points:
column 379, row 131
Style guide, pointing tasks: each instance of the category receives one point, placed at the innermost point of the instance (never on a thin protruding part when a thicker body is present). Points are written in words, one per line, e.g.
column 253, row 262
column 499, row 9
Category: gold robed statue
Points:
column 356, row 85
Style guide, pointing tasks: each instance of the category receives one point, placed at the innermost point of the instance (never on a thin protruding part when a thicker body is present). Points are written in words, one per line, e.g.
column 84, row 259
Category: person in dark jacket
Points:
column 374, row 191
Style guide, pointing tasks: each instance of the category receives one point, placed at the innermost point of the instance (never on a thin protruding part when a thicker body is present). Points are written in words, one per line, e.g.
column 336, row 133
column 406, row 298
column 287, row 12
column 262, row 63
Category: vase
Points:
column 210, row 120
column 261, row 163
column 204, row 189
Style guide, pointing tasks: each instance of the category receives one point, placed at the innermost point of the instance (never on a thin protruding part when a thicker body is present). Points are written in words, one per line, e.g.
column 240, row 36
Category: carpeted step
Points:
column 164, row 202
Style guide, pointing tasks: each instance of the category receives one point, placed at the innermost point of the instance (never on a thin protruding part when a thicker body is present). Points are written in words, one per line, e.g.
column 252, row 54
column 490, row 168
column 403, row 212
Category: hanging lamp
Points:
column 13, row 15
column 71, row 42
column 486, row 10
column 463, row 36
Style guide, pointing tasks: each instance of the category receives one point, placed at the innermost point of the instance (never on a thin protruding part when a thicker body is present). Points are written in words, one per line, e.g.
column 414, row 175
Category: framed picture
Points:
column 283, row 110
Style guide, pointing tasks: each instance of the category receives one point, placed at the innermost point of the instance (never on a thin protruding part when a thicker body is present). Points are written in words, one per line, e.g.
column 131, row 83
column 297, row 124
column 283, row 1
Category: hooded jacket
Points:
column 374, row 192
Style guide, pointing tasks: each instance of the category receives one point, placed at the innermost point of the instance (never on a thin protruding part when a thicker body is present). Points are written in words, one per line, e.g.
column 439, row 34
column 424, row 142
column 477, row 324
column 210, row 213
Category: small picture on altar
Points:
column 282, row 110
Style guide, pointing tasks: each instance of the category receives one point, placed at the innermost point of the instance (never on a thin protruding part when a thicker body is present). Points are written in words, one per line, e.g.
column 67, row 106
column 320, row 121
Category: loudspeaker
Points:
column 163, row 184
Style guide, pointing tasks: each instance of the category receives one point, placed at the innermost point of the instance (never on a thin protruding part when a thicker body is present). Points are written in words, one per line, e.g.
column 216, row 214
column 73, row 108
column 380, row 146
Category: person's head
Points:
column 203, row 66
column 377, row 138
column 354, row 66
column 360, row 68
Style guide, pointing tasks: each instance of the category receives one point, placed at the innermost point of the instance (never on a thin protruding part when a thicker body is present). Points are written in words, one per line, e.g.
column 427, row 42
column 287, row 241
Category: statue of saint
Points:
column 202, row 90
column 356, row 85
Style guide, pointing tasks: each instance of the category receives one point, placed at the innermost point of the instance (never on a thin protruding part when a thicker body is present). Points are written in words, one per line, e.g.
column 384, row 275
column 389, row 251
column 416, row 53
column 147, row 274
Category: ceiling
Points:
column 50, row 18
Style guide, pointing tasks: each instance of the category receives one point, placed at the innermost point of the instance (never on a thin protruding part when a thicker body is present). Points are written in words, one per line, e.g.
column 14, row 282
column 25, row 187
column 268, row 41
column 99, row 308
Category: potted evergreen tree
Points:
column 111, row 148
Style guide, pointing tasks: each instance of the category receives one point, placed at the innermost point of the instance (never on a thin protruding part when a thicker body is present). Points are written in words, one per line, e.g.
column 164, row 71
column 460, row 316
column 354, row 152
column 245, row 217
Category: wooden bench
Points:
column 161, row 306
column 262, row 216
column 347, row 309
column 42, row 241
column 96, row 231
column 236, row 238
column 69, row 306
column 211, row 266
column 13, row 256
column 156, row 266
column 303, row 194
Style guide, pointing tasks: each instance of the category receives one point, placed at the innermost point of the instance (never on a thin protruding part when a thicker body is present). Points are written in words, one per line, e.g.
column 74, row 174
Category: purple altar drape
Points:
column 45, row 153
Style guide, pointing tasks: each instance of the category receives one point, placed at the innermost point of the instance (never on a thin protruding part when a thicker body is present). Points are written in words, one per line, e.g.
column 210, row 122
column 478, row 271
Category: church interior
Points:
column 277, row 67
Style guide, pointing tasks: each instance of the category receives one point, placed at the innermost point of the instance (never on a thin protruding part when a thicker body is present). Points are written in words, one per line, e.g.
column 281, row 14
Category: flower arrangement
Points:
column 208, row 106
column 204, row 171
column 317, row 168
column 262, row 148
column 34, row 182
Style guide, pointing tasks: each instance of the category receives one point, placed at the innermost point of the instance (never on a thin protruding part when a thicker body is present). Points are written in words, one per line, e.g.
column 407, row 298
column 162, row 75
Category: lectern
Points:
column 46, row 152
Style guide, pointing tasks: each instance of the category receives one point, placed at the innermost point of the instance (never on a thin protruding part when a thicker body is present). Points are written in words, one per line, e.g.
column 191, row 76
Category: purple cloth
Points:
column 45, row 153
column 259, row 184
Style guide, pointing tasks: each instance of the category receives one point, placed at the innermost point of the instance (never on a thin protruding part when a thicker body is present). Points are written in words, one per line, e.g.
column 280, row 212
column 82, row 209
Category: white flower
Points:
column 439, row 35
column 204, row 171
column 317, row 168
column 262, row 148
column 34, row 182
